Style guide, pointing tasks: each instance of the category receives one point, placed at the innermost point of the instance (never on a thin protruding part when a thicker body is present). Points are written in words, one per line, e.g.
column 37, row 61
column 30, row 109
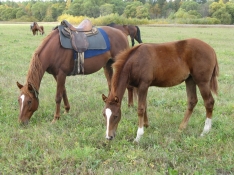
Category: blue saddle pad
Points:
column 98, row 44
column 97, row 51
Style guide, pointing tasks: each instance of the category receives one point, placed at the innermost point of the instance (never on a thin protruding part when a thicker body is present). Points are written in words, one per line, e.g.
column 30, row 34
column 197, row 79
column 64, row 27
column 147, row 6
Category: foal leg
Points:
column 141, row 111
column 61, row 78
column 209, row 104
column 191, row 101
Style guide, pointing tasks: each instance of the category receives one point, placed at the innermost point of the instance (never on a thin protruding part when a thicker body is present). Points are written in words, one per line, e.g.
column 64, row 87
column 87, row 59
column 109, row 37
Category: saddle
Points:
column 78, row 37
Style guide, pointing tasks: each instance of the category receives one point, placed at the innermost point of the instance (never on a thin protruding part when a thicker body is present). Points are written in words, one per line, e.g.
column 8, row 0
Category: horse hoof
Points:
column 53, row 121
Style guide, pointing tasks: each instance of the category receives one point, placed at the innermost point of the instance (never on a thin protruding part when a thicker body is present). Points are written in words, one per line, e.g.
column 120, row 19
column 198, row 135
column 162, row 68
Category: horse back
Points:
column 169, row 64
column 118, row 41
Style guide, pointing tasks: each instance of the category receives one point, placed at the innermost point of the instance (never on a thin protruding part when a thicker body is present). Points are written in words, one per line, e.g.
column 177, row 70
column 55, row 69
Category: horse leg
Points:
column 209, row 104
column 65, row 99
column 61, row 78
column 141, row 111
column 192, row 101
column 133, row 42
column 130, row 95
column 108, row 71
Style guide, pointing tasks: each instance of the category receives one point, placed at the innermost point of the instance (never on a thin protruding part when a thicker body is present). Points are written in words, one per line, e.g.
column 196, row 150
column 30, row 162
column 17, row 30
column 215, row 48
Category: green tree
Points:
column 106, row 9
column 119, row 6
column 75, row 8
column 142, row 12
column 39, row 10
column 189, row 5
column 20, row 13
column 134, row 9
column 223, row 16
column 215, row 6
column 90, row 8
column 230, row 10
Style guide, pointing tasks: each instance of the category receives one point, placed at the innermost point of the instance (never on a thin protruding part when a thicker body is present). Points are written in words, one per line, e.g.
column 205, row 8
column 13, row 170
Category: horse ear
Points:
column 30, row 88
column 116, row 99
column 104, row 98
column 19, row 85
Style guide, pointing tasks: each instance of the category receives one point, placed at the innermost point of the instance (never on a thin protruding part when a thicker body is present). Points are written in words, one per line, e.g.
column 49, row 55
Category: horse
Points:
column 131, row 30
column 35, row 28
column 51, row 57
column 163, row 65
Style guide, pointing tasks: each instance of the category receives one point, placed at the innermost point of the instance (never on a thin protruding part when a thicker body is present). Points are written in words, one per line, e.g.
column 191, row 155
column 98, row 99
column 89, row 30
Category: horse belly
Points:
column 172, row 78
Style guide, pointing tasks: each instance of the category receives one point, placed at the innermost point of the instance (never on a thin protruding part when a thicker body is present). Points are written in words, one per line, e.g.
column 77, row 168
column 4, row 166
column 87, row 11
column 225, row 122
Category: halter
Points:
column 34, row 91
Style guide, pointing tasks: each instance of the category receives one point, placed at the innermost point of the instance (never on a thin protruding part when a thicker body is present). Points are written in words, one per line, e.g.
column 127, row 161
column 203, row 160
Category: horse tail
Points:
column 138, row 35
column 214, row 81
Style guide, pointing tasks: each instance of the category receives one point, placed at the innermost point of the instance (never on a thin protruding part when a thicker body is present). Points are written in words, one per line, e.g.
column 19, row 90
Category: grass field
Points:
column 76, row 143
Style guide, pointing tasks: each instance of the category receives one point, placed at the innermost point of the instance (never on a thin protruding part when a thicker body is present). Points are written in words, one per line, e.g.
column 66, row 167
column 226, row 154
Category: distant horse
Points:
column 35, row 28
column 59, row 62
column 163, row 65
column 131, row 30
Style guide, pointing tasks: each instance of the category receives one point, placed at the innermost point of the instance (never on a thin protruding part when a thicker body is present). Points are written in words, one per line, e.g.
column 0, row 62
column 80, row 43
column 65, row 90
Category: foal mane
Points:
column 119, row 64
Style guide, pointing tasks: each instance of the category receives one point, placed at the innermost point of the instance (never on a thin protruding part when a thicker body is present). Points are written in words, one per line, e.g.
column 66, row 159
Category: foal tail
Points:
column 214, row 81
column 138, row 35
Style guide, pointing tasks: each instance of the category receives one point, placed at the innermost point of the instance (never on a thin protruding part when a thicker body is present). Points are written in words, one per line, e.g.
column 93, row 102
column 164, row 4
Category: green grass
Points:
column 76, row 143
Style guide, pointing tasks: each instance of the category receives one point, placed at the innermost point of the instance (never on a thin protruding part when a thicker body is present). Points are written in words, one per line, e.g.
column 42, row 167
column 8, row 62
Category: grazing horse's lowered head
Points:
column 28, row 102
column 112, row 113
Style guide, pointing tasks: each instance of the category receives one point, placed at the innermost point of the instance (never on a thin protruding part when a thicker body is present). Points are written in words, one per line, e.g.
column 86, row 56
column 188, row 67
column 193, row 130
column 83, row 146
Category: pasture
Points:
column 76, row 143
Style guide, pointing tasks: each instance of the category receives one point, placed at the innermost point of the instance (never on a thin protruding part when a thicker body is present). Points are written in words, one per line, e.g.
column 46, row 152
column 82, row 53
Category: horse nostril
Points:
column 109, row 137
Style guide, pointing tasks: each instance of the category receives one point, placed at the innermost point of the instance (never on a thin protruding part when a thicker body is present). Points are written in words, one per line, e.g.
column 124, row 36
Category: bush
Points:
column 104, row 20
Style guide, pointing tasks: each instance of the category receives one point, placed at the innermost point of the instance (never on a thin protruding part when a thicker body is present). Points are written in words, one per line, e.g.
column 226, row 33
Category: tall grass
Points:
column 76, row 143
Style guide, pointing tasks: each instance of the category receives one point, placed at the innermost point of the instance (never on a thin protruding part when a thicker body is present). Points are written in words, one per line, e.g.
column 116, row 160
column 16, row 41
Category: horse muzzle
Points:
column 111, row 137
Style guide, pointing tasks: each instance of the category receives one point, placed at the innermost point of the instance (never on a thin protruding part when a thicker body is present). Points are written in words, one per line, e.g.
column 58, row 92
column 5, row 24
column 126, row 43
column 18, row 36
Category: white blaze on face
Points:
column 207, row 127
column 22, row 102
column 108, row 115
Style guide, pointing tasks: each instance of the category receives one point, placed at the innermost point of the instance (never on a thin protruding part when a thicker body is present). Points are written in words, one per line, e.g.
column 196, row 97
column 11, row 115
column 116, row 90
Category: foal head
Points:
column 112, row 114
column 28, row 102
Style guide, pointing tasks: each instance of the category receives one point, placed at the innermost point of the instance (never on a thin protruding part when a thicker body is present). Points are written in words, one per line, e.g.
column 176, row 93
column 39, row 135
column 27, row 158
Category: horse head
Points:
column 112, row 115
column 28, row 102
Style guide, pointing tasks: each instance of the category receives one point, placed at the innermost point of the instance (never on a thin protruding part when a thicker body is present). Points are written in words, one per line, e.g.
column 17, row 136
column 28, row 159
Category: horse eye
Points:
column 115, row 117
column 29, row 102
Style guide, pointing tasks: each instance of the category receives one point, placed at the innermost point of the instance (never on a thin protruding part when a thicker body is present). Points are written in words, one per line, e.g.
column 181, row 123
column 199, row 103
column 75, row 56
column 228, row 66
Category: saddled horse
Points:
column 51, row 57
column 131, row 30
column 163, row 65
column 35, row 28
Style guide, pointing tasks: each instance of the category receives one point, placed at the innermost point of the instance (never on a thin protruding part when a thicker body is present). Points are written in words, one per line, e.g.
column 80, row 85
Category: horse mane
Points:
column 35, row 71
column 119, row 64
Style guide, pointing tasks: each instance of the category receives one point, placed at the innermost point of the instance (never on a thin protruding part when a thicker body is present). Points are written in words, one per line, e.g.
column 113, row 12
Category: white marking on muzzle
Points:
column 207, row 127
column 108, row 115
column 22, row 102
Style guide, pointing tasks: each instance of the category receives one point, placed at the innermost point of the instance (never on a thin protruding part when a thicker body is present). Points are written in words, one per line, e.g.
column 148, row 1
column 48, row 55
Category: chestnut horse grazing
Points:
column 131, row 30
column 35, row 28
column 50, row 56
column 163, row 65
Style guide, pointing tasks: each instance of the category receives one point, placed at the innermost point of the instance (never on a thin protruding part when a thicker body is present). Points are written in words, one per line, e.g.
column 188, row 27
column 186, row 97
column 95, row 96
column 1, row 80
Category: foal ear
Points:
column 19, row 85
column 116, row 99
column 104, row 97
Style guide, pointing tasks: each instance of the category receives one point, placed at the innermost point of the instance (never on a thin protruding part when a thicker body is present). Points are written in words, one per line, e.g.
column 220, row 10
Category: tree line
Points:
column 197, row 11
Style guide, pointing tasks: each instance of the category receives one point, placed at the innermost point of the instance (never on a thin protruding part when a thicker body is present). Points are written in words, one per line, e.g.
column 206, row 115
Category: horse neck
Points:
column 120, row 84
column 35, row 72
